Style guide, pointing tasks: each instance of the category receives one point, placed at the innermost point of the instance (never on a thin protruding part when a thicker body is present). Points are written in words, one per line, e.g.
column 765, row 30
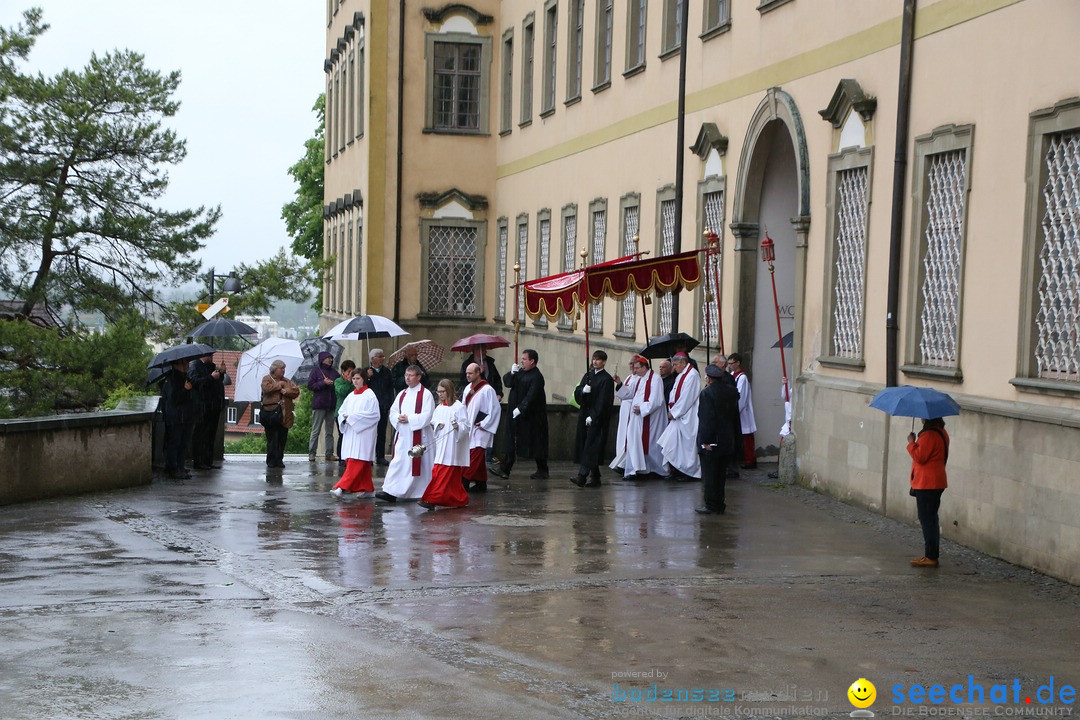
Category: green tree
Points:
column 303, row 215
column 83, row 161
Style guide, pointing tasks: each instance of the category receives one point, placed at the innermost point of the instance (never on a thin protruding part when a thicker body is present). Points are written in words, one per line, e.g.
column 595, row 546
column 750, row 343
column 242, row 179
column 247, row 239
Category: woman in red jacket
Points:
column 929, row 452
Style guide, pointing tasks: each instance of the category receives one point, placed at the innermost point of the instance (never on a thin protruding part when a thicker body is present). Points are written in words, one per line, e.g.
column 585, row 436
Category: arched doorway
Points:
column 771, row 195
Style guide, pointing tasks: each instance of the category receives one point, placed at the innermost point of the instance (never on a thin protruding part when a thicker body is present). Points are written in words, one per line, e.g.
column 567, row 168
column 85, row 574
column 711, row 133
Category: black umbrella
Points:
column 221, row 327
column 667, row 345
column 189, row 351
column 311, row 349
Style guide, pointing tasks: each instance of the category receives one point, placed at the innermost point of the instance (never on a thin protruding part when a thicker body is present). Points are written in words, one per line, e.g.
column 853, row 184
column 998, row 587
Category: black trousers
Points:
column 714, row 479
column 202, row 438
column 380, row 434
column 510, row 456
column 928, row 502
column 177, row 436
column 276, row 435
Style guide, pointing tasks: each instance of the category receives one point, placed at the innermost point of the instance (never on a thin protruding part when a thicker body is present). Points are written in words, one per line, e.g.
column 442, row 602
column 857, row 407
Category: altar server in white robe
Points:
column 450, row 448
column 358, row 421
column 648, row 420
column 484, row 412
column 624, row 391
column 679, row 441
column 410, row 415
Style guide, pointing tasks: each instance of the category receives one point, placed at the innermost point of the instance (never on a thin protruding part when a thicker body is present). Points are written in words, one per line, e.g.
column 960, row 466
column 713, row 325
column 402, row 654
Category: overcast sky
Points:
column 250, row 74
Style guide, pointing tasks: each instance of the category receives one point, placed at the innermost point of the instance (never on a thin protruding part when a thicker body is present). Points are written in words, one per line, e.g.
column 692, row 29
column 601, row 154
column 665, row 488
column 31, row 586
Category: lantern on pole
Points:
column 768, row 255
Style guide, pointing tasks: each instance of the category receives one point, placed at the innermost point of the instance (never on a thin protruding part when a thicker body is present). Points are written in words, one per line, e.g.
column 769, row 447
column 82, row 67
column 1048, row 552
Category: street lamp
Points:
column 768, row 255
column 230, row 287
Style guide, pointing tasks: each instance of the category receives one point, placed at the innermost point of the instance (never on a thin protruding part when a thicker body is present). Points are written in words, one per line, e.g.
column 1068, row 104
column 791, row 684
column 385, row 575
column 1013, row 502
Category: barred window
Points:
column 452, row 270
column 850, row 263
column 939, row 320
column 500, row 277
column 457, row 86
column 713, row 206
column 599, row 229
column 523, row 262
column 629, row 237
column 569, row 252
column 1057, row 316
column 667, row 247
column 545, row 247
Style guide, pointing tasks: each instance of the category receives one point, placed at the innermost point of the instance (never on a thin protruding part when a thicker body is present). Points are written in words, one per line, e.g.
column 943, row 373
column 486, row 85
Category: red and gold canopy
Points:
column 564, row 292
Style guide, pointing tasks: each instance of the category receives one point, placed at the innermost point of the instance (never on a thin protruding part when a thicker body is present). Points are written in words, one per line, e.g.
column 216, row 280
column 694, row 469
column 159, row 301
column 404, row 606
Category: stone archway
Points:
column 772, row 192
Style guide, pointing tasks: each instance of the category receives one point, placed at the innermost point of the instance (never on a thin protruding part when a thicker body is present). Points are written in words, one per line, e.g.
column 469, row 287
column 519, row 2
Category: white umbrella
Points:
column 365, row 327
column 255, row 365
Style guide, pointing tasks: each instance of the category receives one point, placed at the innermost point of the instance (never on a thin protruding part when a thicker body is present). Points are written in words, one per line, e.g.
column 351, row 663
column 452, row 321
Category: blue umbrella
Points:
column 915, row 402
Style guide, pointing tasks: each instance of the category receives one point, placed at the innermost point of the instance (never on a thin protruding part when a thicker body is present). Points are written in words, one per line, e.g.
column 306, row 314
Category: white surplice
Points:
column 746, row 404
column 358, row 420
column 482, row 400
column 679, row 440
column 400, row 481
column 625, row 393
column 450, row 446
column 642, row 456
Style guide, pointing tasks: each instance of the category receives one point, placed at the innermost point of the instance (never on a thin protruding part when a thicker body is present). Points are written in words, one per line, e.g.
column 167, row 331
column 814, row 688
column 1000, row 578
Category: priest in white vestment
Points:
column 679, row 441
column 648, row 420
column 624, row 392
column 484, row 412
column 410, row 415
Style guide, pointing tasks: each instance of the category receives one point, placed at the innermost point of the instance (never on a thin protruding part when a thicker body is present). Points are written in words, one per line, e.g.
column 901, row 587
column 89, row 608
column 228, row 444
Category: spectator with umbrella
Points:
column 423, row 354
column 278, row 393
column 208, row 392
column 178, row 409
column 323, row 399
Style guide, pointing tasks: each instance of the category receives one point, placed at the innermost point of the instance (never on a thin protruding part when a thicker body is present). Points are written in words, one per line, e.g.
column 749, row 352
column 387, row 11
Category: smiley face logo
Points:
column 862, row 693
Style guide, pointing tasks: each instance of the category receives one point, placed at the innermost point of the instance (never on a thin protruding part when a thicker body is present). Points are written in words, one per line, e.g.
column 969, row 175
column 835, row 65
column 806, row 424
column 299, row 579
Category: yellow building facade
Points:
column 467, row 138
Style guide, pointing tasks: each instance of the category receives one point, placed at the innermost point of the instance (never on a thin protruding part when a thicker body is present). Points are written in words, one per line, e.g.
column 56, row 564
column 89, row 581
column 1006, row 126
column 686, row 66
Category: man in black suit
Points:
column 595, row 395
column 718, row 416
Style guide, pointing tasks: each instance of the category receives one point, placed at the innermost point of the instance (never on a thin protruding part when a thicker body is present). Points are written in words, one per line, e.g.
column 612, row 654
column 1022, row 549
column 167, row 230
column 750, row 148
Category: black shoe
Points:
column 774, row 475
column 686, row 478
column 425, row 504
column 704, row 510
column 200, row 467
column 382, row 462
column 477, row 487
column 539, row 475
column 733, row 474
column 499, row 472
column 595, row 482
column 578, row 480
column 386, row 496
column 214, row 467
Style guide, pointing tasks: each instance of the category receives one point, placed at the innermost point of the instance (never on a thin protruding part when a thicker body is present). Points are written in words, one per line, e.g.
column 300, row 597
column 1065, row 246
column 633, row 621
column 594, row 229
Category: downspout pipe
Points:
column 903, row 111
column 400, row 158
column 680, row 151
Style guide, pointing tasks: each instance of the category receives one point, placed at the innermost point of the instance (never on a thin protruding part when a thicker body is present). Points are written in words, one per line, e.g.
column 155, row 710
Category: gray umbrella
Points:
column 222, row 327
column 311, row 349
column 188, row 351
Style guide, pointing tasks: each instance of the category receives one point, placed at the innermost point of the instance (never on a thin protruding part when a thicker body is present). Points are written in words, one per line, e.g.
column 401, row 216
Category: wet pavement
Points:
column 244, row 592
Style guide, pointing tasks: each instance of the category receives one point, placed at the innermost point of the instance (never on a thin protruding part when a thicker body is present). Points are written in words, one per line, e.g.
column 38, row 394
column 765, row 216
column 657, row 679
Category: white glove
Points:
column 588, row 421
column 586, row 390
column 517, row 411
column 514, row 368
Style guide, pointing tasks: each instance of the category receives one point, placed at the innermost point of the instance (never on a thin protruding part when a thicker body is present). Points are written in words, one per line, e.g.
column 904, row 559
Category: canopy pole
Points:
column 588, row 310
column 517, row 307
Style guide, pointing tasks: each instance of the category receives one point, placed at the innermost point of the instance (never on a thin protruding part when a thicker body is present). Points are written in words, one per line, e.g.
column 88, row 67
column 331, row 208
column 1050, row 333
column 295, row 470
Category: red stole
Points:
column 678, row 387
column 417, row 436
column 474, row 390
column 645, row 420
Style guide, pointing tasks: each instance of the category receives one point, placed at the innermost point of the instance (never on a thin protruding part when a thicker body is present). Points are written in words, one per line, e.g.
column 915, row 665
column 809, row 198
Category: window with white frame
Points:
column 712, row 209
column 500, row 277
column 575, row 49
column 358, row 79
column 717, row 17
column 457, row 94
column 569, row 250
column 666, row 246
column 846, row 227
column 230, row 414
column 528, row 42
column 671, row 36
column 507, row 101
column 943, row 181
column 551, row 35
column 604, row 20
column 1050, row 310
column 598, row 231
column 631, row 206
column 637, row 14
